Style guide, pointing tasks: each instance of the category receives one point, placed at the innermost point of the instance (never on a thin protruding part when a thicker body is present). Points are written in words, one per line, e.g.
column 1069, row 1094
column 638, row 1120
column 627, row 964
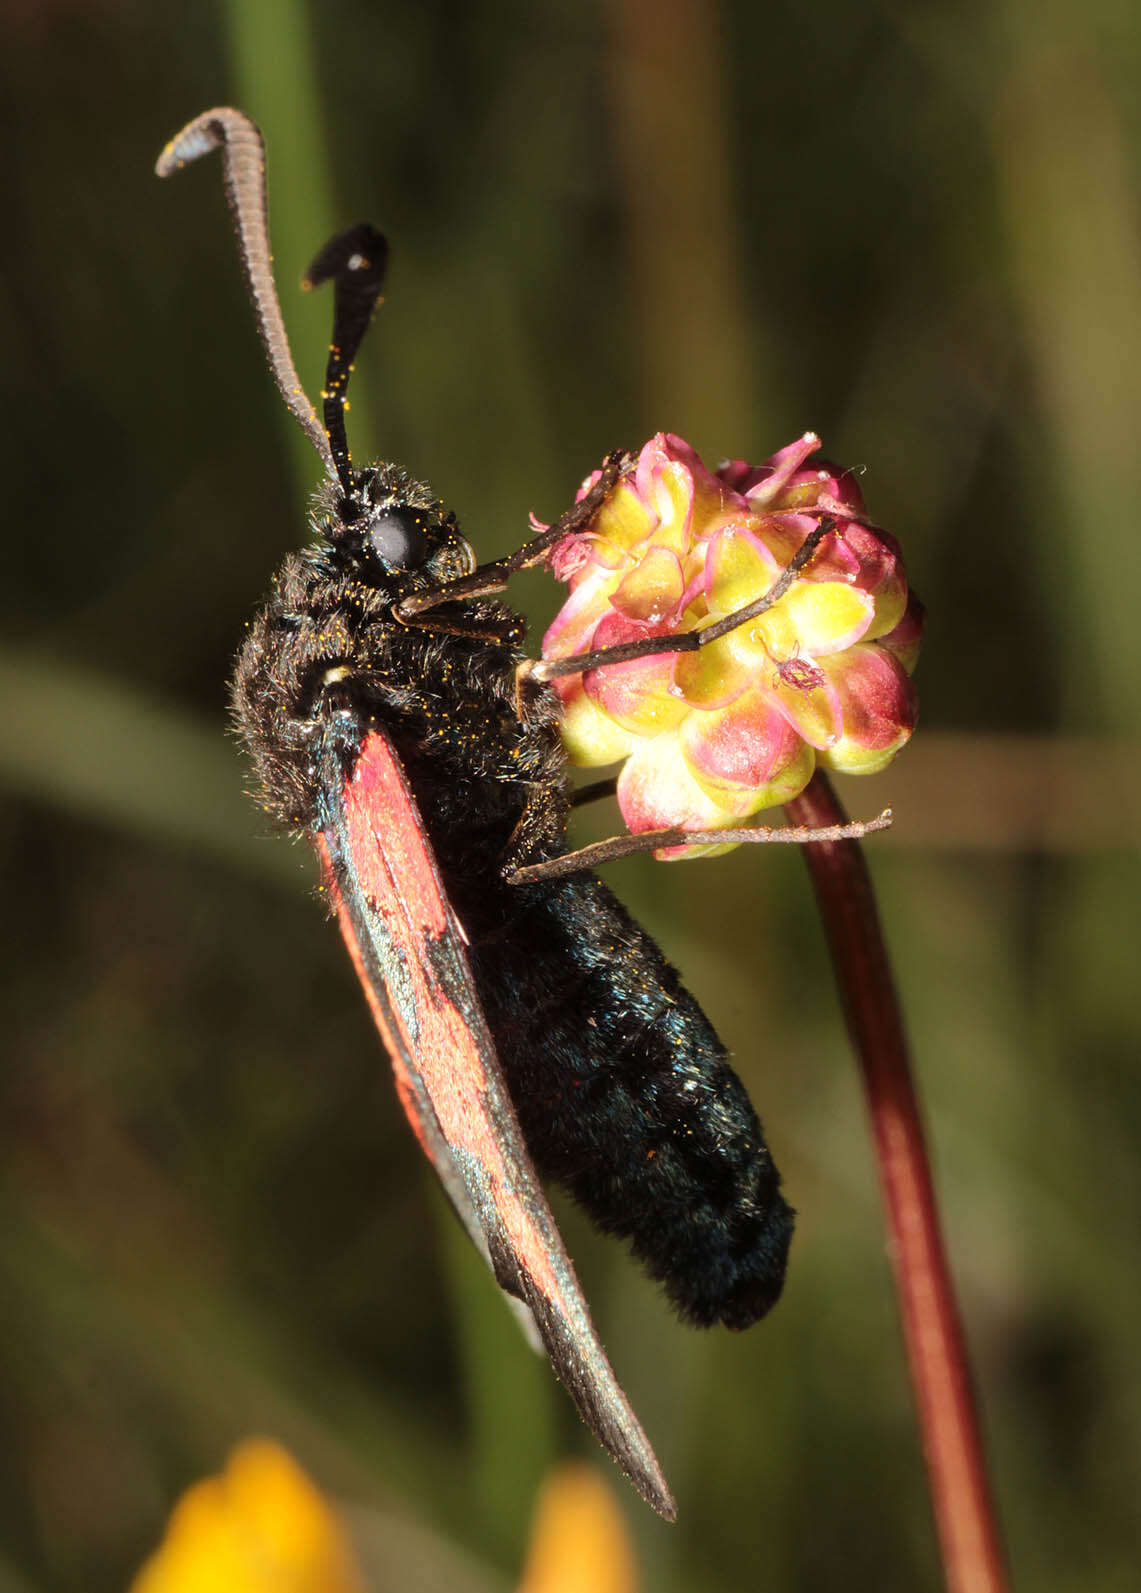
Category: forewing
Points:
column 409, row 951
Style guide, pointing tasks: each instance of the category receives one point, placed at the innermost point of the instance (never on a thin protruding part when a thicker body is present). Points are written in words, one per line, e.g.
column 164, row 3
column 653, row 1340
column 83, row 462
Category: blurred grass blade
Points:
column 103, row 750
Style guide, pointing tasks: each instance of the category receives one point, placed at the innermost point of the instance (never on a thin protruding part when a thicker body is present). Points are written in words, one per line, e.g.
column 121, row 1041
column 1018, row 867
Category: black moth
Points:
column 391, row 716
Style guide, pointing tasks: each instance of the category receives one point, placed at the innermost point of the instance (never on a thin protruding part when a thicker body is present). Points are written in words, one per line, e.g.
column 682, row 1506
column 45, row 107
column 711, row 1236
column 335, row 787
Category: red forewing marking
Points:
column 445, row 1029
column 417, row 1108
column 408, row 950
column 391, row 860
column 394, row 1042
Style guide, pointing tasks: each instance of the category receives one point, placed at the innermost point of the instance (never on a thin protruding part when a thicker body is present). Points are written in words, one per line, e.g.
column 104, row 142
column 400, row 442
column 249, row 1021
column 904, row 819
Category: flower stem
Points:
column 936, row 1350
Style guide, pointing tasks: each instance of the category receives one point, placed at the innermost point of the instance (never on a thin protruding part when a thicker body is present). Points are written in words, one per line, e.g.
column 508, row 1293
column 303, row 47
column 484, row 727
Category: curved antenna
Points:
column 243, row 172
column 355, row 261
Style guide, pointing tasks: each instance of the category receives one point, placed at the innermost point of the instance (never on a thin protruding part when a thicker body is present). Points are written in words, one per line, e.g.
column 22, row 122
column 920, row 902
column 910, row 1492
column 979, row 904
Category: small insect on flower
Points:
column 534, row 1028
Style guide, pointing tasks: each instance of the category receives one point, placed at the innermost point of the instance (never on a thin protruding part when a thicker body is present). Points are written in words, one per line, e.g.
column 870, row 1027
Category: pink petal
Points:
column 877, row 555
column 824, row 488
column 904, row 641
column 762, row 483
column 877, row 704
column 640, row 696
column 657, row 792
column 748, row 745
column 808, row 699
column 652, row 590
column 833, row 560
column 591, row 738
column 572, row 629
column 840, row 493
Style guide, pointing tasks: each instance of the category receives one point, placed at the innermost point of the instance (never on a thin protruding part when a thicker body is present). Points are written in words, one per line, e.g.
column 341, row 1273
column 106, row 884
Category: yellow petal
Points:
column 816, row 617
column 590, row 736
column 625, row 519
column 719, row 673
column 891, row 605
column 741, row 569
column 579, row 1542
column 652, row 589
column 809, row 702
column 671, row 496
column 846, row 757
column 262, row 1527
column 657, row 791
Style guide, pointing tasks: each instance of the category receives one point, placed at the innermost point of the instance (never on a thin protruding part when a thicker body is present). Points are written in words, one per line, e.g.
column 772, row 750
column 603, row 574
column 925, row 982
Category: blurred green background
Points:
column 913, row 228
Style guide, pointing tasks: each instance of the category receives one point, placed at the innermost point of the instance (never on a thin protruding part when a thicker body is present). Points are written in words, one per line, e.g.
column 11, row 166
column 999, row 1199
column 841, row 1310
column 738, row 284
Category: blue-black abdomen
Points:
column 626, row 1097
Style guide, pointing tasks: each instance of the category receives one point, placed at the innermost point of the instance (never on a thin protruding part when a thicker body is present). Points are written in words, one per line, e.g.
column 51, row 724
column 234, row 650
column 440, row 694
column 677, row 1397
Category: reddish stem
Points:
column 936, row 1350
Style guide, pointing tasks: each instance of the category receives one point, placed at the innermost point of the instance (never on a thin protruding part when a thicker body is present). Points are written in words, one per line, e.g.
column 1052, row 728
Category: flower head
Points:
column 261, row 1527
column 710, row 737
column 579, row 1538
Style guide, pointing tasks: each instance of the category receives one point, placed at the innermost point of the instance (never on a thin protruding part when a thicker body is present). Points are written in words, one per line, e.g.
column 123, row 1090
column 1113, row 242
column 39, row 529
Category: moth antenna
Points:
column 243, row 173
column 355, row 261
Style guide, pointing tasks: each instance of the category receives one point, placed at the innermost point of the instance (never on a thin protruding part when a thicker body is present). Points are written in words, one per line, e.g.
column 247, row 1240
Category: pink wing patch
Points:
column 409, row 953
column 398, row 877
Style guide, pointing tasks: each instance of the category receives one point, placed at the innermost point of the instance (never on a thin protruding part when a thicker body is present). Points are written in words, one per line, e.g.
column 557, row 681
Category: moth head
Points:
column 393, row 532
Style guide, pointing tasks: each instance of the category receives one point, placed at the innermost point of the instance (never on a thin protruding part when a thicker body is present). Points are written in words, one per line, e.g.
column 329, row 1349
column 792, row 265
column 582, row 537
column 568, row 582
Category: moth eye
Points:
column 397, row 538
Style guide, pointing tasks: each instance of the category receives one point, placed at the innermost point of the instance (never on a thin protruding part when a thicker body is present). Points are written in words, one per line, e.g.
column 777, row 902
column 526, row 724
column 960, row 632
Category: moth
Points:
column 534, row 1028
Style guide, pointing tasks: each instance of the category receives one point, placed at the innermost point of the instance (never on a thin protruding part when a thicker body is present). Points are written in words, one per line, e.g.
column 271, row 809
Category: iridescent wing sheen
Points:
column 409, row 951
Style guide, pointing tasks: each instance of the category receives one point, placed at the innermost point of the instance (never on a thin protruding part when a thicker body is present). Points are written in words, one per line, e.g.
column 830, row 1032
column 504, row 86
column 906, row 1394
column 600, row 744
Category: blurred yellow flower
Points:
column 261, row 1527
column 579, row 1542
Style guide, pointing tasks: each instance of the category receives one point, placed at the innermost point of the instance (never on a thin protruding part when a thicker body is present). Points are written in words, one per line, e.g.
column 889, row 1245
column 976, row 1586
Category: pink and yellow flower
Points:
column 821, row 679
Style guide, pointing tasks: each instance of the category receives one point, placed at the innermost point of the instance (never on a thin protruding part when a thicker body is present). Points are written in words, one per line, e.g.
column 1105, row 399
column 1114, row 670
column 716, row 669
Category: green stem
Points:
column 936, row 1349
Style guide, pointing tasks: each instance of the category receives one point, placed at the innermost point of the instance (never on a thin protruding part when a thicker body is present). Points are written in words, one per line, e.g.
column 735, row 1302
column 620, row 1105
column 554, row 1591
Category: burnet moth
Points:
column 535, row 1030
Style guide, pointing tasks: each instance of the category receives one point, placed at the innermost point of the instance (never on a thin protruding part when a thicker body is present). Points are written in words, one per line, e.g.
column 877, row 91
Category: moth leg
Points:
column 539, row 671
column 594, row 792
column 509, row 633
column 536, row 831
column 542, row 822
column 539, row 830
column 591, row 857
column 493, row 577
column 546, row 669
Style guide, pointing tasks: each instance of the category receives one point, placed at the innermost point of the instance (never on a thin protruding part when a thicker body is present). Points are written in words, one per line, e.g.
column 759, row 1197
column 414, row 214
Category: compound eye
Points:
column 397, row 538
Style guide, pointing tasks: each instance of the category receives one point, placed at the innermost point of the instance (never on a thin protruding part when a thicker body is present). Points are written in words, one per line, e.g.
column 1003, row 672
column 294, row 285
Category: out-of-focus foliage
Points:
column 913, row 229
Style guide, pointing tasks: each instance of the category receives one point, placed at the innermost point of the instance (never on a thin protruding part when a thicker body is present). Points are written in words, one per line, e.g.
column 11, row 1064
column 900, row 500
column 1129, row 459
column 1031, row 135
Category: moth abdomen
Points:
column 627, row 1099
